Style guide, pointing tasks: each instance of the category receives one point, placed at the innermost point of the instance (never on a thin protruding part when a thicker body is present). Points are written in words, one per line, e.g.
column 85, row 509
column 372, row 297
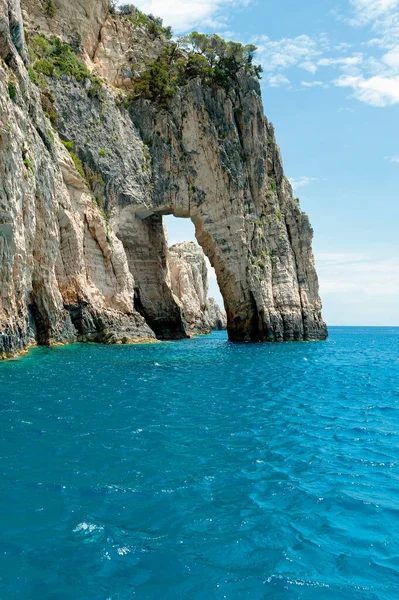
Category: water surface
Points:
column 202, row 470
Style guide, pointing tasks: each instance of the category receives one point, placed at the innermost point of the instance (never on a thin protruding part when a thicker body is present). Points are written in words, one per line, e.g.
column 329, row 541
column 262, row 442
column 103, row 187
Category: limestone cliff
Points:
column 189, row 284
column 63, row 272
column 83, row 252
column 216, row 317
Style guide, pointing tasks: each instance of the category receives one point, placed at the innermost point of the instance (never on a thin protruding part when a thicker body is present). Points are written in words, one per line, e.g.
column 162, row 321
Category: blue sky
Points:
column 331, row 88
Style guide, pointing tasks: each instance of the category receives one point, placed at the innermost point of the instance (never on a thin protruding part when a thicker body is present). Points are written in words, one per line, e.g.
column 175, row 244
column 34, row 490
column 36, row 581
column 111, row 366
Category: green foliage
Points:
column 93, row 179
column 106, row 215
column 112, row 7
column 78, row 164
column 198, row 66
column 209, row 57
column 49, row 7
column 224, row 59
column 50, row 135
column 154, row 25
column 48, row 106
column 147, row 160
column 28, row 165
column 12, row 90
column 279, row 216
column 70, row 146
column 52, row 58
column 126, row 9
column 36, row 78
column 102, row 152
column 160, row 80
column 95, row 87
column 272, row 185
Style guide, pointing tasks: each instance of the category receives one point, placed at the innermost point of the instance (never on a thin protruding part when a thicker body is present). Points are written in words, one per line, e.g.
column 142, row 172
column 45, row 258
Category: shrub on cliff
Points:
column 160, row 80
column 52, row 58
column 152, row 23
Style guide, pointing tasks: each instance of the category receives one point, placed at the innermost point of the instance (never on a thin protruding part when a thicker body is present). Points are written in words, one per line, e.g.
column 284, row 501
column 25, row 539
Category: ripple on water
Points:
column 201, row 469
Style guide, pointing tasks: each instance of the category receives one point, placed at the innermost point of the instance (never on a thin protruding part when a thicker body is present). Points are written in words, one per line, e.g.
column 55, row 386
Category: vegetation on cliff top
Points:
column 152, row 23
column 209, row 57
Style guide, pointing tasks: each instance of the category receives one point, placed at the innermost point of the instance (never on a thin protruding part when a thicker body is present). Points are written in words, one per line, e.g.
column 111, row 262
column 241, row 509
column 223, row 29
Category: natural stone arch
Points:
column 214, row 160
column 146, row 247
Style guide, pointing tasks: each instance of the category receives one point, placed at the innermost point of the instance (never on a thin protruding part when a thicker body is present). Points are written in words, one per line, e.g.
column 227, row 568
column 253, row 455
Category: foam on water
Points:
column 201, row 469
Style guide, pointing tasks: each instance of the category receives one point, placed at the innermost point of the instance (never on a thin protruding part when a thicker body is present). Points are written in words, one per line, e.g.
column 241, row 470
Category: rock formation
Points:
column 63, row 272
column 216, row 317
column 83, row 252
column 189, row 284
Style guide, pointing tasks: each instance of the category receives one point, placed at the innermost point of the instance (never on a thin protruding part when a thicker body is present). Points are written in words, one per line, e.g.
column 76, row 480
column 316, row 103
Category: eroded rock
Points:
column 189, row 283
column 98, row 252
column 57, row 252
column 216, row 317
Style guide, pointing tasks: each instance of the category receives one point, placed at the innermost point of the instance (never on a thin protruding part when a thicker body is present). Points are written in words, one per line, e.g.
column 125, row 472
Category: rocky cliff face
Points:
column 83, row 252
column 63, row 272
column 216, row 317
column 189, row 284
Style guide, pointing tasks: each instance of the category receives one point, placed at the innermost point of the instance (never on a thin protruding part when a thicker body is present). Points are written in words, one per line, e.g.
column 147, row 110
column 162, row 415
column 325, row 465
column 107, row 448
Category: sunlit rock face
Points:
column 189, row 283
column 80, row 22
column 87, row 258
column 216, row 316
column 64, row 274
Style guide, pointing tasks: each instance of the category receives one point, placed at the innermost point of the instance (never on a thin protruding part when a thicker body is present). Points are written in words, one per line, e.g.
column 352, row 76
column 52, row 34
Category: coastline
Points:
column 5, row 357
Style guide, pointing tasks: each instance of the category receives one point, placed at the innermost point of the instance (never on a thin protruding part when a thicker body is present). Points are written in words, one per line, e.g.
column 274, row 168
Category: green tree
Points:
column 224, row 58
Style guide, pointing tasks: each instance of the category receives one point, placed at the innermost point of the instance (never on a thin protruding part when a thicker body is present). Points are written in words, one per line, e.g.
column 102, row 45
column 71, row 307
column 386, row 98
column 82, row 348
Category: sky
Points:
column 331, row 88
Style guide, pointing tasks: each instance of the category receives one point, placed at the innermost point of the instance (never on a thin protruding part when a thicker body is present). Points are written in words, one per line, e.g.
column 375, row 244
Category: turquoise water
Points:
column 202, row 470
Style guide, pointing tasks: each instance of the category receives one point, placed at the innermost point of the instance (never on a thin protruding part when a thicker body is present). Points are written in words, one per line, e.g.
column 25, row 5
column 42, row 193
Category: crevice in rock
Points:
column 41, row 322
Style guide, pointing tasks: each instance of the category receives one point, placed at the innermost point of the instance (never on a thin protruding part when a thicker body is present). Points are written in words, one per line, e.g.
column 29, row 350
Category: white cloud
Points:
column 391, row 58
column 342, row 46
column 187, row 14
column 359, row 273
column 310, row 84
column 371, row 43
column 277, row 80
column 367, row 11
column 288, row 52
column 377, row 91
column 301, row 182
column 393, row 159
column 347, row 61
column 307, row 53
column 308, row 66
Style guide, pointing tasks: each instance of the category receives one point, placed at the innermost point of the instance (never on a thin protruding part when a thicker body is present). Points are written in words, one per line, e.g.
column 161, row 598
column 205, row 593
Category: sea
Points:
column 202, row 469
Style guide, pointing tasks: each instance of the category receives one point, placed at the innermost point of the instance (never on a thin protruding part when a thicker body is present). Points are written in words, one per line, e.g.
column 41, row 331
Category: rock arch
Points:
column 214, row 160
